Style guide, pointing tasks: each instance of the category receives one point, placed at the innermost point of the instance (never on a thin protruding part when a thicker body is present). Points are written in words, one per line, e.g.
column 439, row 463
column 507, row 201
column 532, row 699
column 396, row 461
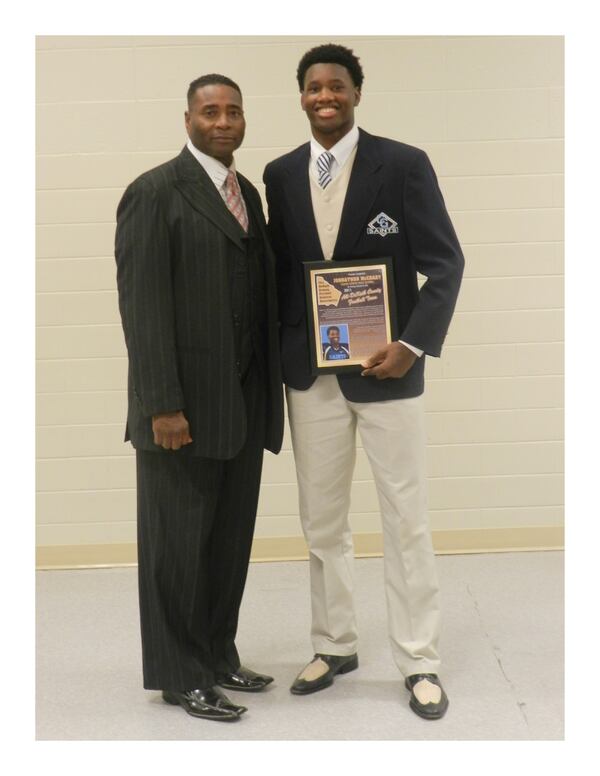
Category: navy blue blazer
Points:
column 389, row 178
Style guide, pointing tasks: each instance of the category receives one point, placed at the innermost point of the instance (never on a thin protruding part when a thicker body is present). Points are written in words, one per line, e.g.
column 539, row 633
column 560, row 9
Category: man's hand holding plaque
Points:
column 393, row 360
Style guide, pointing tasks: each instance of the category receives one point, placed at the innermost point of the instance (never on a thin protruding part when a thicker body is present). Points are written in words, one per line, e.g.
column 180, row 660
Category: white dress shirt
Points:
column 340, row 151
column 215, row 170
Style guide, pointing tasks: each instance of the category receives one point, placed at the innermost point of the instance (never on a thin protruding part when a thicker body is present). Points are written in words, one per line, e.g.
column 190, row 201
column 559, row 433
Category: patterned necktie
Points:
column 324, row 169
column 234, row 201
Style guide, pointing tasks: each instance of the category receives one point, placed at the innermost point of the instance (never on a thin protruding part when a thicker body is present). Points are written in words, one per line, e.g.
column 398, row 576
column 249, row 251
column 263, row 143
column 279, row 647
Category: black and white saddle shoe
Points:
column 428, row 710
column 336, row 664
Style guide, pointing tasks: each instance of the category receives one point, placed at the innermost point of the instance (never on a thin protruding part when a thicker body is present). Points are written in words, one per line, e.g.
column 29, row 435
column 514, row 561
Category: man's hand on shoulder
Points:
column 393, row 360
column 171, row 430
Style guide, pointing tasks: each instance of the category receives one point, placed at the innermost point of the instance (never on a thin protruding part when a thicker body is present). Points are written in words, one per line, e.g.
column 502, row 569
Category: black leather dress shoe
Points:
column 337, row 665
column 426, row 710
column 209, row 703
column 244, row 679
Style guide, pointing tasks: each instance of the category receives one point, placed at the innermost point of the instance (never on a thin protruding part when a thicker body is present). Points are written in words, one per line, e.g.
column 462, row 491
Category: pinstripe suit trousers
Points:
column 195, row 524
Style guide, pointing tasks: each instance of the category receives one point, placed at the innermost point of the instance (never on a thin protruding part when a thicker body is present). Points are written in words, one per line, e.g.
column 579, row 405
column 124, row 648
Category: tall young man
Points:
column 322, row 198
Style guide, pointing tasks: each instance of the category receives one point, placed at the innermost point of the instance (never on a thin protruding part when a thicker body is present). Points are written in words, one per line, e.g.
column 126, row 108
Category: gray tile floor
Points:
column 502, row 648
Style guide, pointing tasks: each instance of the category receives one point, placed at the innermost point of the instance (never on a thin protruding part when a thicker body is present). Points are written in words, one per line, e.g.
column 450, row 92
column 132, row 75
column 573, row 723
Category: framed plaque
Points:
column 351, row 312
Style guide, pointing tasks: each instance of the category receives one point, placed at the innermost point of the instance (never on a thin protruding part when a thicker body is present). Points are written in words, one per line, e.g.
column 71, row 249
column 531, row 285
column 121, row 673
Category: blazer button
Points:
column 236, row 320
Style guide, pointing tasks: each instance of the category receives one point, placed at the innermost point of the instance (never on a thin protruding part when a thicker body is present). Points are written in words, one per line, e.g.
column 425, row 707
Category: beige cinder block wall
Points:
column 489, row 112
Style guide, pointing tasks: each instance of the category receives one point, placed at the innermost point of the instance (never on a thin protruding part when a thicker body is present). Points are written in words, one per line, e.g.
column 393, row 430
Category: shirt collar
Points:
column 215, row 169
column 340, row 151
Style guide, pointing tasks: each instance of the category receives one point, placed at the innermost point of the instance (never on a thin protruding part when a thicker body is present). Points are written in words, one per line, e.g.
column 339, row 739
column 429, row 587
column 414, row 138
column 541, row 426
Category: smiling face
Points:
column 334, row 337
column 328, row 99
column 215, row 121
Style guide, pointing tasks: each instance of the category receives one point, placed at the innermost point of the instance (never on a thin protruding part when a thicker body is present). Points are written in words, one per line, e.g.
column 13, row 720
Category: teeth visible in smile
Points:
column 326, row 111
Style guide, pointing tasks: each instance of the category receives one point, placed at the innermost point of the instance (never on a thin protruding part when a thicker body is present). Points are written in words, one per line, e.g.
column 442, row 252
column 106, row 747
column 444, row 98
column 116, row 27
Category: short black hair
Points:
column 334, row 54
column 210, row 80
column 333, row 328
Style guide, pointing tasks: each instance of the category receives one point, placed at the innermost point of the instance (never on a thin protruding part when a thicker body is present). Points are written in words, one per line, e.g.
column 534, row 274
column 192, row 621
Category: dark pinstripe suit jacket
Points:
column 174, row 240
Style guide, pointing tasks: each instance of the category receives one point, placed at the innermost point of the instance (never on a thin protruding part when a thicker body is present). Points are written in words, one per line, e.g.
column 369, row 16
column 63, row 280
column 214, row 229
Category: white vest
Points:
column 328, row 203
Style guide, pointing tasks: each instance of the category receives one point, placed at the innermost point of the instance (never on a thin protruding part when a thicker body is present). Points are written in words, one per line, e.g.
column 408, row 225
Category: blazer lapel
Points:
column 201, row 193
column 253, row 215
column 300, row 203
column 363, row 187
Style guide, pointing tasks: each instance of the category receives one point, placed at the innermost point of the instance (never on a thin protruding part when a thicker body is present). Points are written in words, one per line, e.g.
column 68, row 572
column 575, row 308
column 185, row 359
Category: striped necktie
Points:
column 234, row 201
column 324, row 169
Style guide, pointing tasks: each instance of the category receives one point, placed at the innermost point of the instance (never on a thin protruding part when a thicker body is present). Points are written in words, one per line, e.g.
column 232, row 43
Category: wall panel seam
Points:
column 131, row 456
column 376, row 513
column 555, row 475
column 282, row 95
column 522, row 210
column 492, row 411
column 466, row 378
column 493, row 176
column 458, row 312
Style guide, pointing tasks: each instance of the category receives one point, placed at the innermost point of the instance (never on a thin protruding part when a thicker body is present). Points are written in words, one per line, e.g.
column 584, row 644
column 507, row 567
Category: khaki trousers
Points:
column 323, row 425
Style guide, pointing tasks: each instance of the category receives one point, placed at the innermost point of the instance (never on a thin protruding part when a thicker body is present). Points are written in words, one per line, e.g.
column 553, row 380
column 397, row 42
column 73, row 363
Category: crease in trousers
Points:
column 323, row 425
column 196, row 521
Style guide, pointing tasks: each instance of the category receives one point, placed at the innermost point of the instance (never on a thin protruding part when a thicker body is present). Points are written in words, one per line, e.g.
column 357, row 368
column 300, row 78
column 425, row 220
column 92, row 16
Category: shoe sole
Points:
column 236, row 688
column 345, row 669
column 419, row 713
column 229, row 717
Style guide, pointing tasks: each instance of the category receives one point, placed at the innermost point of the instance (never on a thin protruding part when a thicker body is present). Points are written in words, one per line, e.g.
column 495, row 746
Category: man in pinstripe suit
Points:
column 198, row 306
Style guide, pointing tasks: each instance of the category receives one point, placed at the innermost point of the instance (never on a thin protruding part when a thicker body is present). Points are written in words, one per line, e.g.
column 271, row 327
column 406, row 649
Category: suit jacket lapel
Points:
column 300, row 201
column 363, row 187
column 199, row 190
column 256, row 217
column 253, row 216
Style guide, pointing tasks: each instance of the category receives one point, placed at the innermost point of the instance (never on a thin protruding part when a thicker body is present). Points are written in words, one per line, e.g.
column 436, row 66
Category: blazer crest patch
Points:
column 382, row 225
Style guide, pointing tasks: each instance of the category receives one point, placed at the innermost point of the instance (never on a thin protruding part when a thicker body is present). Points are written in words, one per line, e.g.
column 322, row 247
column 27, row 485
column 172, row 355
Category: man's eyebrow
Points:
column 216, row 105
column 330, row 81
